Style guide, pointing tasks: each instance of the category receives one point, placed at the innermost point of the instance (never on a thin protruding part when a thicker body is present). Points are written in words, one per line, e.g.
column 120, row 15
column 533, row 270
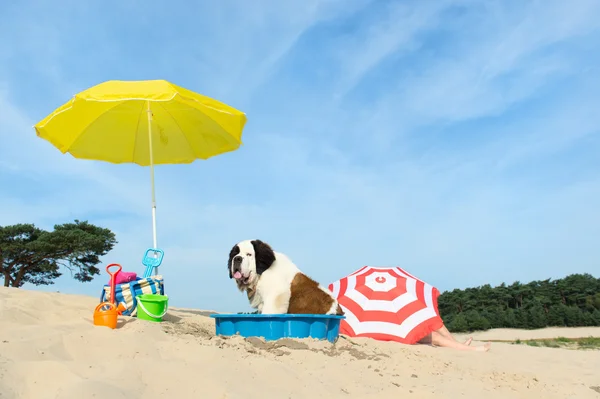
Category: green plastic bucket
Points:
column 152, row 307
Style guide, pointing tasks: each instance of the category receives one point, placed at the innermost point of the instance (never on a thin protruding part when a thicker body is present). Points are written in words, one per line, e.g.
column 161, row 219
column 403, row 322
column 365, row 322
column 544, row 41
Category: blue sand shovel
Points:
column 152, row 261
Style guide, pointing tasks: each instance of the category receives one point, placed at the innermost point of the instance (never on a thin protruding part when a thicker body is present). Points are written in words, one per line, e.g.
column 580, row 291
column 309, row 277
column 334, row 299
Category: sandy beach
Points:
column 49, row 348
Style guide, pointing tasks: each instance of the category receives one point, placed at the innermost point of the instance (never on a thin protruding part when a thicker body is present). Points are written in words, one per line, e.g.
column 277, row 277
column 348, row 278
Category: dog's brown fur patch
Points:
column 307, row 298
column 250, row 292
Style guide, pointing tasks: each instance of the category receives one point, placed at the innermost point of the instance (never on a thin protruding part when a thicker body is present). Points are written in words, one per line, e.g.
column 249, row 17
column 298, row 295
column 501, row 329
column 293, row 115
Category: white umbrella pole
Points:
column 152, row 175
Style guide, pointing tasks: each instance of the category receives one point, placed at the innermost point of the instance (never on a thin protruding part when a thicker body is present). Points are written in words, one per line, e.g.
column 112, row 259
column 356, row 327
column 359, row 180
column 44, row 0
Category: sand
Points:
column 49, row 348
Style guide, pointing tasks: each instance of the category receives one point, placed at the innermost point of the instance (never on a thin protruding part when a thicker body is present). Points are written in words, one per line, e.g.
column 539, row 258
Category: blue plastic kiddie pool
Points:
column 275, row 326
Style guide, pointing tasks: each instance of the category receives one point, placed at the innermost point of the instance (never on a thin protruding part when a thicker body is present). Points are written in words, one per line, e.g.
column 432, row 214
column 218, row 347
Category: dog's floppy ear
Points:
column 264, row 256
column 234, row 251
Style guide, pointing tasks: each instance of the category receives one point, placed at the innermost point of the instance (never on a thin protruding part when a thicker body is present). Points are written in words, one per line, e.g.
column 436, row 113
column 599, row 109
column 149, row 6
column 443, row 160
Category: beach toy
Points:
column 275, row 326
column 152, row 261
column 113, row 281
column 152, row 307
column 106, row 313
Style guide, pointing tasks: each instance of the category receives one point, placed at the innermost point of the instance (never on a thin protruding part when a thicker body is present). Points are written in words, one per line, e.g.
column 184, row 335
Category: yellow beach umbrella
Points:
column 144, row 122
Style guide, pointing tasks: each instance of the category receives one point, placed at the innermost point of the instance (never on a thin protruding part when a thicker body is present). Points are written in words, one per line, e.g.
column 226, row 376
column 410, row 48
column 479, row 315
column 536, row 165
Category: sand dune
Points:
column 50, row 349
column 510, row 334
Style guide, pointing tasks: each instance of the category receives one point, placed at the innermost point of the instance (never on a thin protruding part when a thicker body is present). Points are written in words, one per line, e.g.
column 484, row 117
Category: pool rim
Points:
column 274, row 316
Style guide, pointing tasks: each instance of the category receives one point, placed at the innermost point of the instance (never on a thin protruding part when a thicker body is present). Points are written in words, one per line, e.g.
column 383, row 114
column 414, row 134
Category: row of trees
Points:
column 29, row 254
column 572, row 301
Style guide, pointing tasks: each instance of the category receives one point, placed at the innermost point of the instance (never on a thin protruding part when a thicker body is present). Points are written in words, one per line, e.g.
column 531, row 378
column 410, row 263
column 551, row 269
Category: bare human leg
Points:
column 444, row 332
column 438, row 339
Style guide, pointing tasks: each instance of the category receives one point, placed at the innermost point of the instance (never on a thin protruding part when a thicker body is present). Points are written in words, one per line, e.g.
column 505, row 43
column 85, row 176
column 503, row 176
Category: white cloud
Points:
column 506, row 56
column 393, row 31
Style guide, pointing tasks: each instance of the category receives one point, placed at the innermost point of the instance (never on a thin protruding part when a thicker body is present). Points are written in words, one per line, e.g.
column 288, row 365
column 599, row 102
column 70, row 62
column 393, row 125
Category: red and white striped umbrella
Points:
column 387, row 304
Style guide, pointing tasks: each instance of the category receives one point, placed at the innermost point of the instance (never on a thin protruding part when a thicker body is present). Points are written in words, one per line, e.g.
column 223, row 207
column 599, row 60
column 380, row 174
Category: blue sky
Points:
column 456, row 139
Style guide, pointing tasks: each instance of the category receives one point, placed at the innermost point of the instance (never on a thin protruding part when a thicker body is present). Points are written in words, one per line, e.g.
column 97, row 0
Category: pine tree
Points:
column 521, row 318
column 557, row 316
column 29, row 254
column 596, row 317
column 510, row 319
column 588, row 319
column 536, row 317
column 459, row 323
column 475, row 321
column 573, row 316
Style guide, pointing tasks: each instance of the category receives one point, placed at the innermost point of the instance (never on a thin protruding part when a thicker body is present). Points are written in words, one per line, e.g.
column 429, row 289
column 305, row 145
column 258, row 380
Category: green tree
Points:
column 557, row 315
column 510, row 319
column 516, row 290
column 573, row 316
column 592, row 302
column 475, row 321
column 596, row 317
column 29, row 254
column 587, row 319
column 458, row 323
column 536, row 317
column 521, row 318
column 503, row 295
column 495, row 317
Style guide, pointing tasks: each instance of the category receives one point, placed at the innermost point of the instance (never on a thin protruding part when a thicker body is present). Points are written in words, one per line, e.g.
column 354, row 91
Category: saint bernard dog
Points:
column 274, row 284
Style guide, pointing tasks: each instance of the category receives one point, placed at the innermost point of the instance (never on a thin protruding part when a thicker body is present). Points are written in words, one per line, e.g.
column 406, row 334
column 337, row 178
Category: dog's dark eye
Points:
column 248, row 254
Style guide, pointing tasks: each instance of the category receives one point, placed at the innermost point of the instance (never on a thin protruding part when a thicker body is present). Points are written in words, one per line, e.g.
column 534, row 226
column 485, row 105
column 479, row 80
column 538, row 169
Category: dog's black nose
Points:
column 237, row 259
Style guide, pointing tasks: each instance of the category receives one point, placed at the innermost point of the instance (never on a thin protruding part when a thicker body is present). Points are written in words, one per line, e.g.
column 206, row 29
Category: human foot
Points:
column 484, row 348
column 468, row 341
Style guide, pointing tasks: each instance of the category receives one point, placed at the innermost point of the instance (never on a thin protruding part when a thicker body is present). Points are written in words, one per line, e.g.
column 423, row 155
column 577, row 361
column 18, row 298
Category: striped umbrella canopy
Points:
column 387, row 304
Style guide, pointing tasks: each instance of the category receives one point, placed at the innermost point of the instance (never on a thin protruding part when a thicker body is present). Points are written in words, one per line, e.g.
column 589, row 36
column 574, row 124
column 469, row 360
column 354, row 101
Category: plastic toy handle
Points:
column 156, row 260
column 113, row 265
column 152, row 262
column 100, row 305
column 112, row 280
column 156, row 316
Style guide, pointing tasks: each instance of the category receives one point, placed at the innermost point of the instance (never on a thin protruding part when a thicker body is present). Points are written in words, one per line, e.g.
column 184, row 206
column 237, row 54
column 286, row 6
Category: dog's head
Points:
column 248, row 260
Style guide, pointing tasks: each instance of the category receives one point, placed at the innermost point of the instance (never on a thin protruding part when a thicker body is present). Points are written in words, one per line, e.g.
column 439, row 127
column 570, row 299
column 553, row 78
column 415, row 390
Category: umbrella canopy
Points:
column 144, row 122
column 387, row 304
column 119, row 121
